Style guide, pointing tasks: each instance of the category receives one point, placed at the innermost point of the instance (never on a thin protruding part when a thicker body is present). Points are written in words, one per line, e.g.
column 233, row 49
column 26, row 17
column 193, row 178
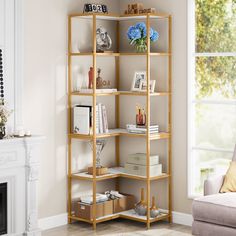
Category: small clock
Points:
column 100, row 8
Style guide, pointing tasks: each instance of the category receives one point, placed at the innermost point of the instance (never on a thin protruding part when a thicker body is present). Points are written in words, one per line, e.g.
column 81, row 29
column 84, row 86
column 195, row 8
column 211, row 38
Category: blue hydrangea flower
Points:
column 155, row 36
column 133, row 33
column 141, row 26
column 145, row 32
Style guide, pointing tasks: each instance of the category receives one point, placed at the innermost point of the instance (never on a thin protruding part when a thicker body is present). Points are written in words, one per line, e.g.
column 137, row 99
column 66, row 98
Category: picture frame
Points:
column 139, row 76
column 143, row 86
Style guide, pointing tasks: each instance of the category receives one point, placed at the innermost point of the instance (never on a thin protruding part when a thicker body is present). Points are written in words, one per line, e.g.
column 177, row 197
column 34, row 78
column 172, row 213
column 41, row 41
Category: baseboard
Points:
column 182, row 218
column 53, row 221
column 60, row 220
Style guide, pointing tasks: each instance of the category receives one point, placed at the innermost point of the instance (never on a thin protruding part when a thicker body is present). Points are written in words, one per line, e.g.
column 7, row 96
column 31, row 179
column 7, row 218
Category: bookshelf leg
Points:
column 170, row 219
column 69, row 220
column 148, row 225
column 94, row 226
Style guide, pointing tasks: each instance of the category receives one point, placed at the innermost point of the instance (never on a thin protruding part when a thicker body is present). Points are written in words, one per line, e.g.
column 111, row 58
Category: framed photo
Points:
column 139, row 76
column 144, row 86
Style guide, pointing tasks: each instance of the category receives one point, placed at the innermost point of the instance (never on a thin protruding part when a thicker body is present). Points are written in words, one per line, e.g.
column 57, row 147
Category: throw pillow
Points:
column 229, row 184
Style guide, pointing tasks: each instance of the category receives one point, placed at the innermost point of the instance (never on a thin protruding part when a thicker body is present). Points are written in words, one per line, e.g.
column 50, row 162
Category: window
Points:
column 211, row 90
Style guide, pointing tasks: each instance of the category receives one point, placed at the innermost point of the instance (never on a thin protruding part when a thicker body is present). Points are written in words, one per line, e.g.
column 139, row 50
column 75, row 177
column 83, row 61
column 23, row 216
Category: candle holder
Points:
column 140, row 116
column 100, row 170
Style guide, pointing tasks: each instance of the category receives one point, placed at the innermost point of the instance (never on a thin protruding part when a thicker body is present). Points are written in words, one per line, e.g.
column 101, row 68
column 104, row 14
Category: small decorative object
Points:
column 141, row 207
column 90, row 75
column 102, row 84
column 139, row 76
column 99, row 79
column 100, row 8
column 138, row 8
column 154, row 211
column 144, row 86
column 137, row 35
column 140, row 116
column 103, row 39
column 4, row 114
column 100, row 170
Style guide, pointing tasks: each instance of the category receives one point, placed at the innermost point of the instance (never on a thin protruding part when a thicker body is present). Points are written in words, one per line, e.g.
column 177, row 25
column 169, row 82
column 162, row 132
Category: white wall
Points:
column 44, row 100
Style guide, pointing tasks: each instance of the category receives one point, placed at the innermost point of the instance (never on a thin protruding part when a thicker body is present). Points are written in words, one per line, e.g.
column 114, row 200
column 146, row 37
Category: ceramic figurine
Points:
column 90, row 75
column 99, row 80
column 141, row 207
column 154, row 211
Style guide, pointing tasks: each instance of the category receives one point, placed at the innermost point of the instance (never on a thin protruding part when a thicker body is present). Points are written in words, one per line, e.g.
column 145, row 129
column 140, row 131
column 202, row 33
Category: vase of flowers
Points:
column 4, row 114
column 137, row 35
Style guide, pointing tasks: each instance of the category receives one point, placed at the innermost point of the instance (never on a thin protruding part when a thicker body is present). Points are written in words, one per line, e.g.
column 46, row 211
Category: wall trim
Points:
column 53, row 221
column 182, row 218
column 60, row 220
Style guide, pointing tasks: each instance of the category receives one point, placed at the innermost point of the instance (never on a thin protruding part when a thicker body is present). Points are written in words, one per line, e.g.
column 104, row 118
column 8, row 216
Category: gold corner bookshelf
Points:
column 115, row 173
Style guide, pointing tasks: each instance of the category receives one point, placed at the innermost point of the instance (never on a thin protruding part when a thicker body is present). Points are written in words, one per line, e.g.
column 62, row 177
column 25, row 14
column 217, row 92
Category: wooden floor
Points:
column 120, row 227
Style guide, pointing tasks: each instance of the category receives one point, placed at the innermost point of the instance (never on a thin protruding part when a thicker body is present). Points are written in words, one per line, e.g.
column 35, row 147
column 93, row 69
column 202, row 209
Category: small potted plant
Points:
column 4, row 115
column 137, row 35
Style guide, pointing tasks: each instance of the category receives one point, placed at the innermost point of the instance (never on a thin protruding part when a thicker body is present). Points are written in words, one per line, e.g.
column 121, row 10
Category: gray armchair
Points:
column 215, row 213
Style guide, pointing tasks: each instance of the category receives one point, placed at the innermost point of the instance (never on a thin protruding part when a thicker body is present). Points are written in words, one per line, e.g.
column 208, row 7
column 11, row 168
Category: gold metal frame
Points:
column 117, row 134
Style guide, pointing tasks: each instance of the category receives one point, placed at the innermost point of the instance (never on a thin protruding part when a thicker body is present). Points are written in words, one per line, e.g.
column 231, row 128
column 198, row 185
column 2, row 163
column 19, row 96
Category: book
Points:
column 113, row 90
column 104, row 119
column 97, row 120
column 100, row 118
column 137, row 129
column 81, row 120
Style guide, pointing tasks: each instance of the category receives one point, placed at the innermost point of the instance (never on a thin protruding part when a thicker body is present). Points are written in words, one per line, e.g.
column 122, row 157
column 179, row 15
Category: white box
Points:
column 140, row 159
column 141, row 170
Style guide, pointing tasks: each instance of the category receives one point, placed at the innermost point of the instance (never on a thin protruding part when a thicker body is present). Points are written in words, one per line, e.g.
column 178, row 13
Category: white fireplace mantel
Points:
column 19, row 168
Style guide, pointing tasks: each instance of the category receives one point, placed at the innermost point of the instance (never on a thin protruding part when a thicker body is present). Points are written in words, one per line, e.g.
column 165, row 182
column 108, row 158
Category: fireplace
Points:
column 3, row 208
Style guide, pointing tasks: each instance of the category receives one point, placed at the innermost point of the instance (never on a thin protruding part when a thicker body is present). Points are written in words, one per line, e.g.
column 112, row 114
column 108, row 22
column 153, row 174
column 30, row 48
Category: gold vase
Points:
column 141, row 207
column 154, row 211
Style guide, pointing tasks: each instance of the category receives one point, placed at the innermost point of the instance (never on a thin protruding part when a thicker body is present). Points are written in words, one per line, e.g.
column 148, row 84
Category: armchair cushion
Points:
column 217, row 209
column 234, row 156
column 213, row 185
column 229, row 184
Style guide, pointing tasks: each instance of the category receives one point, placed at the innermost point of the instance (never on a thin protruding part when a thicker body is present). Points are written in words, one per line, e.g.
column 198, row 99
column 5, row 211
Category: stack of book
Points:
column 83, row 119
column 89, row 198
column 142, row 129
column 98, row 90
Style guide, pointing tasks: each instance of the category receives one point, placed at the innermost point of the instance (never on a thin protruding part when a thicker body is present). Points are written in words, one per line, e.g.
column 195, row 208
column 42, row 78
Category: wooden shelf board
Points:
column 107, row 218
column 100, row 16
column 115, row 172
column 80, row 219
column 111, row 16
column 102, row 54
column 143, row 16
column 120, row 132
column 117, row 54
column 122, row 93
column 130, row 215
column 86, row 176
column 144, row 54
